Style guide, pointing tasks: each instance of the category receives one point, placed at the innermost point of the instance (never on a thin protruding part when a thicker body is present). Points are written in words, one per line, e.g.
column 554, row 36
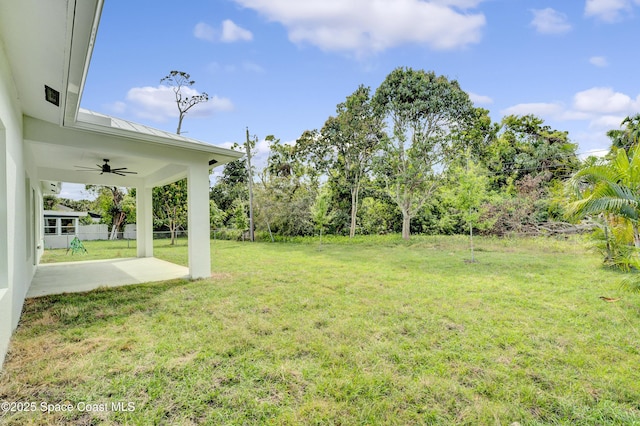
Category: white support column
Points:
column 144, row 222
column 198, row 207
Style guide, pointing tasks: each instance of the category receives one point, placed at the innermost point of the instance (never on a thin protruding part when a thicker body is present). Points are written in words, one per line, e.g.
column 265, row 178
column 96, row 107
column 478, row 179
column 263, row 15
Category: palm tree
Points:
column 610, row 187
column 629, row 135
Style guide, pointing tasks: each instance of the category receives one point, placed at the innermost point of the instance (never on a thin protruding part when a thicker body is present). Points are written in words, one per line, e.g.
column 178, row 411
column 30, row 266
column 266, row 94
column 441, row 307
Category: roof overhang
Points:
column 49, row 43
column 55, row 213
column 60, row 152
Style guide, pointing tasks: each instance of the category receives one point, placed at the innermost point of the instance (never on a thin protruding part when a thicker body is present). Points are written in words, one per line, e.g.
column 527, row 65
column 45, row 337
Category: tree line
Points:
column 412, row 156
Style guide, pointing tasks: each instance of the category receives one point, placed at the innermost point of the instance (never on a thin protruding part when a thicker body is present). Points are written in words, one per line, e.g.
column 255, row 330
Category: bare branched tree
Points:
column 177, row 80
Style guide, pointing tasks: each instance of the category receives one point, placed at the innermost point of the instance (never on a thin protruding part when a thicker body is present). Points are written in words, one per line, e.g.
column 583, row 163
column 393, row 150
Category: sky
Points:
column 280, row 67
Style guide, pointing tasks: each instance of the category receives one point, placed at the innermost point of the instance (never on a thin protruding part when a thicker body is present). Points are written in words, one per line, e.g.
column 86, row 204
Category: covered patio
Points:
column 151, row 157
column 75, row 277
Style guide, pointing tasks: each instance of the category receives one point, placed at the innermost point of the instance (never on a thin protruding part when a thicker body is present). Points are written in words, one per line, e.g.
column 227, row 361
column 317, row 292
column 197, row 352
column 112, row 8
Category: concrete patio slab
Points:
column 74, row 277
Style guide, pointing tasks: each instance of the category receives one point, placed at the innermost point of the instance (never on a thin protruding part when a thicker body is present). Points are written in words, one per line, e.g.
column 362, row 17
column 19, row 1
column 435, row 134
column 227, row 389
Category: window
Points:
column 50, row 226
column 67, row 226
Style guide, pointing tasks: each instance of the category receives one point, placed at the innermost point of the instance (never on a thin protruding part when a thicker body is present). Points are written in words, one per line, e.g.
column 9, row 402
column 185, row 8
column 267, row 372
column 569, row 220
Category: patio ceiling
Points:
column 157, row 157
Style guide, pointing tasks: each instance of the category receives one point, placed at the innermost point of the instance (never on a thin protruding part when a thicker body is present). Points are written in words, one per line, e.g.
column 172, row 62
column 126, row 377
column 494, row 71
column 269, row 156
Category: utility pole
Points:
column 473, row 259
column 248, row 146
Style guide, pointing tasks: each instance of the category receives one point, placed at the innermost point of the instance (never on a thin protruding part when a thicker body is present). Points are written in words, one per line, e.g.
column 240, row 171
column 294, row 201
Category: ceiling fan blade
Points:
column 105, row 168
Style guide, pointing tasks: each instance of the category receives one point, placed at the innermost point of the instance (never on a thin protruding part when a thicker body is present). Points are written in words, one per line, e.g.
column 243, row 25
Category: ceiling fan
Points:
column 106, row 168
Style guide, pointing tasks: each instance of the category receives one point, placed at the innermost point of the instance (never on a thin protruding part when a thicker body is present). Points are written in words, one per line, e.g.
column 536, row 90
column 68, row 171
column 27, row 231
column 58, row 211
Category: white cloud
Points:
column 462, row 4
column 609, row 10
column 606, row 122
column 599, row 108
column 542, row 109
column 158, row 103
column 366, row 26
column 550, row 21
column 118, row 107
column 231, row 32
column 603, row 100
column 480, row 99
column 599, row 61
column 592, row 104
column 228, row 33
column 205, row 32
column 573, row 115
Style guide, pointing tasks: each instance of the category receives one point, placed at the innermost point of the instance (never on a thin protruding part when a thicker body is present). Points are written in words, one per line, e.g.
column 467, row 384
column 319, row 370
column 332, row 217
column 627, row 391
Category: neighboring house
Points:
column 60, row 227
column 45, row 50
column 95, row 217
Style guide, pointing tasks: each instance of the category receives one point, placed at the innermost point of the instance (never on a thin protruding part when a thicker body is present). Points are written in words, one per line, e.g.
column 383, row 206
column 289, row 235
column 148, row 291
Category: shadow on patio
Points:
column 73, row 277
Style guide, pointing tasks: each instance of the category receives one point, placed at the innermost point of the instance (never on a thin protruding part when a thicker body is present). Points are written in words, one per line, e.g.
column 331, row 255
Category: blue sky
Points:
column 281, row 66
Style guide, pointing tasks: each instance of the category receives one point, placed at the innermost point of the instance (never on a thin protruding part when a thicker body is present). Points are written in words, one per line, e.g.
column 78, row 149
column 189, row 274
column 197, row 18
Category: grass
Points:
column 377, row 331
column 112, row 250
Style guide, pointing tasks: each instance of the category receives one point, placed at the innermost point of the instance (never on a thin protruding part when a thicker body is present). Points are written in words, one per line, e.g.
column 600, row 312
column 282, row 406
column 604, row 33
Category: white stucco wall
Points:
column 17, row 181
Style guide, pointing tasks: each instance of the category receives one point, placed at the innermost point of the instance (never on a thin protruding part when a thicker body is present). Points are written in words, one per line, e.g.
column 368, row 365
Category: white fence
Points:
column 130, row 231
column 101, row 232
column 93, row 232
column 84, row 232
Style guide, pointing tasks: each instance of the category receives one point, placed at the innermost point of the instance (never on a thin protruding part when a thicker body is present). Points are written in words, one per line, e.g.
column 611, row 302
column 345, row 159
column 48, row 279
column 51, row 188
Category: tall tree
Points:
column 231, row 185
column 186, row 98
column 347, row 143
column 217, row 216
column 114, row 205
column 473, row 142
column 170, row 207
column 421, row 110
column 170, row 201
column 285, row 194
column 526, row 146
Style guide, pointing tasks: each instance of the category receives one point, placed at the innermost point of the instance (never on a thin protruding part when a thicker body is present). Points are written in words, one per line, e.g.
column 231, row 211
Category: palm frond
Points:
column 607, row 197
column 631, row 282
column 621, row 164
column 634, row 172
column 596, row 173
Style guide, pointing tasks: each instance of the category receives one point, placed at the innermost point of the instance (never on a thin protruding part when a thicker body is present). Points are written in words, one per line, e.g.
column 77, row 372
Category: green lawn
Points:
column 376, row 331
column 114, row 249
